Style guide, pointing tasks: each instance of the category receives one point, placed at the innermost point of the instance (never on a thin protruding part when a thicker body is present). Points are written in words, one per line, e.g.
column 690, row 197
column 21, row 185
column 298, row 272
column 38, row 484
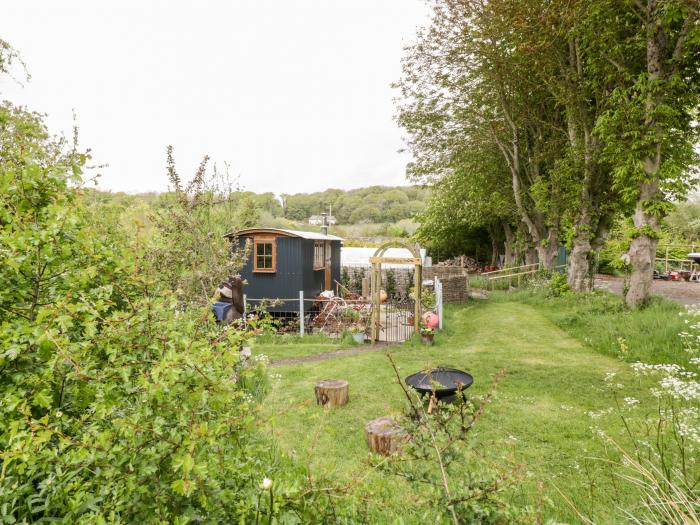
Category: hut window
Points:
column 264, row 254
column 319, row 255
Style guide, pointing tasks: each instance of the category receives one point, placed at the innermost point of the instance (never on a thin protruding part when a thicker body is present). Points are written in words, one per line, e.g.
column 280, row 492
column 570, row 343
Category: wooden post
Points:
column 366, row 287
column 331, row 392
column 384, row 436
column 666, row 266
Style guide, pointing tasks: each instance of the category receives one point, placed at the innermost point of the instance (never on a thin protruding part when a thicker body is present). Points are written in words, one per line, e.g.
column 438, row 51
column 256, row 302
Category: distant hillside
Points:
column 371, row 205
column 367, row 215
column 374, row 204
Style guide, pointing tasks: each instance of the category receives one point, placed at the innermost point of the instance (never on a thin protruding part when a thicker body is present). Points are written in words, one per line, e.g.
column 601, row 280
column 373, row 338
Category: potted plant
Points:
column 357, row 331
column 427, row 335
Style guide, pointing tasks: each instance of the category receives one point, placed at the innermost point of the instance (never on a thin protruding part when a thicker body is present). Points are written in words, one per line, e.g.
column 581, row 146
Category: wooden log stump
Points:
column 385, row 436
column 332, row 392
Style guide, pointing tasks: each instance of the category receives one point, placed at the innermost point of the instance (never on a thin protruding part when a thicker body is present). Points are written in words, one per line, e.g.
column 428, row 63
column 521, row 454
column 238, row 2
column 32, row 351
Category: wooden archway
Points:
column 376, row 280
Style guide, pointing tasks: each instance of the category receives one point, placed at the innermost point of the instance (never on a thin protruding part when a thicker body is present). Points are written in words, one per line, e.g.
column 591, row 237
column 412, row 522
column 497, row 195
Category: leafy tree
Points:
column 577, row 113
column 483, row 100
column 248, row 214
column 375, row 204
column 649, row 129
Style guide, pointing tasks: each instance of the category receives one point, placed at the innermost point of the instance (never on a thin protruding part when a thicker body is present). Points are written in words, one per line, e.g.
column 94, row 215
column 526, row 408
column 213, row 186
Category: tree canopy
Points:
column 576, row 111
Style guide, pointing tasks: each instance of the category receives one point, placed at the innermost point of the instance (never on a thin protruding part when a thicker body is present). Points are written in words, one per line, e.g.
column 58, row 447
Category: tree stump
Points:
column 385, row 436
column 332, row 392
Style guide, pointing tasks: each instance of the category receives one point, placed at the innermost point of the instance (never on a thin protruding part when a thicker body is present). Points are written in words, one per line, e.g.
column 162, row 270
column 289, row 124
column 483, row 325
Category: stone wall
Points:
column 455, row 289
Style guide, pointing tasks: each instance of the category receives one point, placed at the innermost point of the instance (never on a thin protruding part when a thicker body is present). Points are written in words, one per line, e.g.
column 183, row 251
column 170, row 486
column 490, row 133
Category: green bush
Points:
column 116, row 404
column 558, row 285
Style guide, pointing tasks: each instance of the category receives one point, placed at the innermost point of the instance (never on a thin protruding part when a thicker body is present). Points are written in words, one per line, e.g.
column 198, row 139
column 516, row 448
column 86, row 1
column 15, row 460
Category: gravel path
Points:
column 682, row 291
column 324, row 356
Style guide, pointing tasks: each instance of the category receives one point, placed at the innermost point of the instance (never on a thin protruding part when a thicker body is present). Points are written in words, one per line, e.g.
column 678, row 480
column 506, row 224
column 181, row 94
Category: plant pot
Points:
column 427, row 339
column 410, row 321
column 358, row 337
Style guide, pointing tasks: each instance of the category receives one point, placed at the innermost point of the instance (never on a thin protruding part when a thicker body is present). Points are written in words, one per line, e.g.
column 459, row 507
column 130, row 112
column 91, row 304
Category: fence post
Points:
column 301, row 312
column 245, row 310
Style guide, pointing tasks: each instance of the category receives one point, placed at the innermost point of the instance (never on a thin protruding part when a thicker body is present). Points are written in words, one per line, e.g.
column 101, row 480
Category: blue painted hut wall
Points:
column 294, row 272
column 283, row 283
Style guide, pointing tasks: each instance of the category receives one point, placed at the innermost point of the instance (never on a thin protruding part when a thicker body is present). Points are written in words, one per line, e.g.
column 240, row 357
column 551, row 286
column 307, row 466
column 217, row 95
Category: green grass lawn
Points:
column 538, row 417
column 286, row 346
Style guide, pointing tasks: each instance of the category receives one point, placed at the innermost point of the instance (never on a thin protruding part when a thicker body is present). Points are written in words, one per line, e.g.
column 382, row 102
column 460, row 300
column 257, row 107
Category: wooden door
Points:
column 327, row 251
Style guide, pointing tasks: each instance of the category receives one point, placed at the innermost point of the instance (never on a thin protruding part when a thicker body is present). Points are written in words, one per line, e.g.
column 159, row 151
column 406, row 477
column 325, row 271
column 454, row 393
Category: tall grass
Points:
column 662, row 501
column 602, row 321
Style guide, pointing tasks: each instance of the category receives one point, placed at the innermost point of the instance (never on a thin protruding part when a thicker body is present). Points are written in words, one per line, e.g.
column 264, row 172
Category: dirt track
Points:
column 681, row 291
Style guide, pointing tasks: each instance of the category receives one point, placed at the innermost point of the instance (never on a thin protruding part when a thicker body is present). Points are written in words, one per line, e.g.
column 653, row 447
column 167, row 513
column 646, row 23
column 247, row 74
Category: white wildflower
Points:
column 266, row 484
column 679, row 389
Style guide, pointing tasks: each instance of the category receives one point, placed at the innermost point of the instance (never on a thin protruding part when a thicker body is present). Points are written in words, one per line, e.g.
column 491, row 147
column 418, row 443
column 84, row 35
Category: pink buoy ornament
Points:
column 431, row 319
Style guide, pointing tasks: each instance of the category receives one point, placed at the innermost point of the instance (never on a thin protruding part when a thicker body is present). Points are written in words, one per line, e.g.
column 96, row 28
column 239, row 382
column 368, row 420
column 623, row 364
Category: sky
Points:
column 294, row 95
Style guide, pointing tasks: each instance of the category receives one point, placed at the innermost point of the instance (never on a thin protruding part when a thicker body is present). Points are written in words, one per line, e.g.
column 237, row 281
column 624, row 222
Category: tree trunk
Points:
column 580, row 256
column 579, row 265
column 547, row 252
column 385, row 436
column 331, row 392
column 494, row 251
column 642, row 250
column 509, row 245
column 494, row 237
column 530, row 255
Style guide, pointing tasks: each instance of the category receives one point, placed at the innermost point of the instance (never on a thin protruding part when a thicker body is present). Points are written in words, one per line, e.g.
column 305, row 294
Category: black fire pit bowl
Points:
column 446, row 382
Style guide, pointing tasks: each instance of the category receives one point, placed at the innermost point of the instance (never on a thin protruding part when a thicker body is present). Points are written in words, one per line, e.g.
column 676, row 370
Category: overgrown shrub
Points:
column 116, row 403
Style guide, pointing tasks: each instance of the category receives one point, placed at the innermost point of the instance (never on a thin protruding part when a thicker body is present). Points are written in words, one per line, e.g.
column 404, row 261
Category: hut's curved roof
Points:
column 316, row 236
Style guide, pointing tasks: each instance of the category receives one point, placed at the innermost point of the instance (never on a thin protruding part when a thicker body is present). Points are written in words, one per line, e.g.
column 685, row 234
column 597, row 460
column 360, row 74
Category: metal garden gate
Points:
column 396, row 320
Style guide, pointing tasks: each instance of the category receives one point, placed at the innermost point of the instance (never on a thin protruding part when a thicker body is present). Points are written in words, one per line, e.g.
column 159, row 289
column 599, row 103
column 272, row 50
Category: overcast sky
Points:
column 294, row 94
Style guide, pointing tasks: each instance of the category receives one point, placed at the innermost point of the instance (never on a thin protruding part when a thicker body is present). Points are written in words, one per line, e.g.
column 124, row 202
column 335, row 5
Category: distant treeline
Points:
column 373, row 204
column 364, row 205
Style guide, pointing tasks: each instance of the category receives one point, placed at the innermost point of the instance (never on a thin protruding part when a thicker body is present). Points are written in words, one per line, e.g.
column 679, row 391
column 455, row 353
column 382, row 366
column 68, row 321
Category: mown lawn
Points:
column 539, row 418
